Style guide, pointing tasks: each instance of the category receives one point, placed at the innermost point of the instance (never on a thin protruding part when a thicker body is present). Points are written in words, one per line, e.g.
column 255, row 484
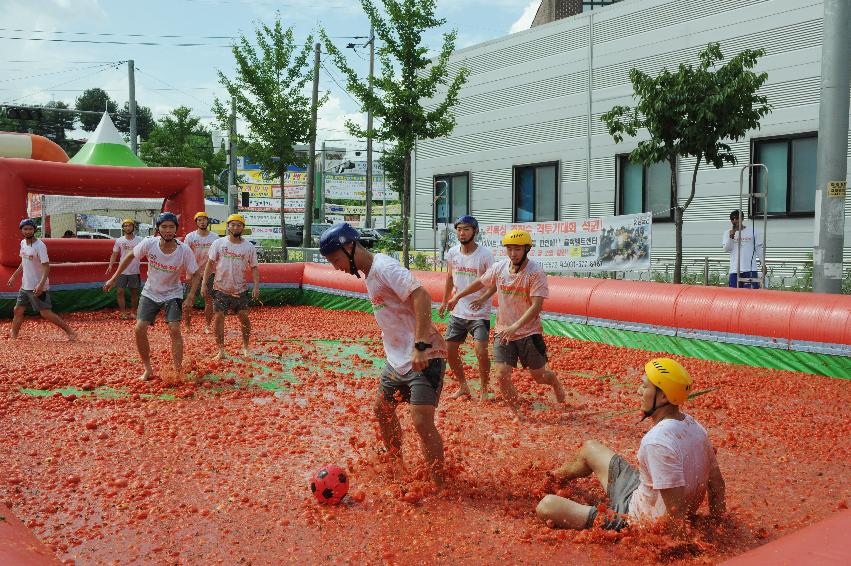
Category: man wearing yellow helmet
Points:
column 228, row 260
column 676, row 463
column 522, row 287
column 131, row 278
column 199, row 241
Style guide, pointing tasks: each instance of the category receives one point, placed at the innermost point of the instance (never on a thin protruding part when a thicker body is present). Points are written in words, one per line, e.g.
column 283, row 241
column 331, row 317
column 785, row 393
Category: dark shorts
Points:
column 531, row 351
column 38, row 304
column 149, row 309
column 458, row 328
column 623, row 481
column 222, row 302
column 129, row 281
column 416, row 387
column 734, row 280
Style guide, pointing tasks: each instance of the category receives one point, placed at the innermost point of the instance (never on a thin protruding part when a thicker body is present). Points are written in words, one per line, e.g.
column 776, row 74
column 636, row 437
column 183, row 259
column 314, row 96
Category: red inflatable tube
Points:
column 291, row 273
column 18, row 546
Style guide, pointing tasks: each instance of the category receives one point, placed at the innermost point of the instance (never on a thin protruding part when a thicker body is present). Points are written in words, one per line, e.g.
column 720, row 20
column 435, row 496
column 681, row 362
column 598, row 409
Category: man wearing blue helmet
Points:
column 415, row 351
column 163, row 291
column 465, row 263
column 34, row 284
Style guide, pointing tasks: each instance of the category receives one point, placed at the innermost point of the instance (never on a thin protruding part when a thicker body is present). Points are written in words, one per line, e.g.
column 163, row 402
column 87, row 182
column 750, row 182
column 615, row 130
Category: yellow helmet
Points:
column 201, row 214
column 517, row 238
column 669, row 376
column 128, row 221
column 235, row 218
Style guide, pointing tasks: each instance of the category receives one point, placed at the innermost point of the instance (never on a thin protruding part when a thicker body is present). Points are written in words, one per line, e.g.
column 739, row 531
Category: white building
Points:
column 529, row 144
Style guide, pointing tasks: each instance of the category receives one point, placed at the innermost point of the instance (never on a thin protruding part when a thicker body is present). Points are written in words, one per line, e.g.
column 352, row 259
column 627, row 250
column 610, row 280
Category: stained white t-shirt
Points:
column 672, row 454
column 200, row 246
column 32, row 258
column 389, row 286
column 164, row 269
column 515, row 291
column 126, row 246
column 465, row 270
column 231, row 262
column 753, row 249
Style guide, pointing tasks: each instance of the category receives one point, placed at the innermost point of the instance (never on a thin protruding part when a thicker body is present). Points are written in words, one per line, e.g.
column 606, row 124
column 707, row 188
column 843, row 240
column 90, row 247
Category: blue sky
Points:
column 36, row 71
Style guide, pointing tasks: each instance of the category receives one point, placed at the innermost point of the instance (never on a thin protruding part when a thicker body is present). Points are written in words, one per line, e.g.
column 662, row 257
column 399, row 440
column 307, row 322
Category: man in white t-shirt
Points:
column 34, row 283
column 415, row 350
column 131, row 278
column 228, row 261
column 677, row 463
column 522, row 287
column 163, row 291
column 199, row 241
column 743, row 268
column 465, row 263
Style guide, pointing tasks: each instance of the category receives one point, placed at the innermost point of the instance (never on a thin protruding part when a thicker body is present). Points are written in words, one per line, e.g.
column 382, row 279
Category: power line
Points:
column 327, row 72
column 103, row 68
column 113, row 42
column 171, row 86
column 50, row 73
column 114, row 34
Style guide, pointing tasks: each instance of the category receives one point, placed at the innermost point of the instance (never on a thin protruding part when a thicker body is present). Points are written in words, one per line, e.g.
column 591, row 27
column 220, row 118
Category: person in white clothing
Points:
column 131, row 278
column 163, row 291
column 199, row 241
column 465, row 263
column 34, row 283
column 752, row 245
column 415, row 350
column 228, row 260
column 677, row 466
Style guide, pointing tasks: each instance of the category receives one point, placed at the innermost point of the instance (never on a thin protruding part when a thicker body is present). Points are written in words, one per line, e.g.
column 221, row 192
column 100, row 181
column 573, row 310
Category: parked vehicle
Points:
column 94, row 236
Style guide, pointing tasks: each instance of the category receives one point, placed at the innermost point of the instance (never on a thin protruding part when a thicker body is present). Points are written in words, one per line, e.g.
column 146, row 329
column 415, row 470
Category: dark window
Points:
column 536, row 192
column 644, row 188
column 451, row 197
column 791, row 164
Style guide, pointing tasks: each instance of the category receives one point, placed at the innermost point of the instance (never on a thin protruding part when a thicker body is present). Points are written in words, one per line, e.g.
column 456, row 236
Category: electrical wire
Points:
column 50, row 73
column 48, row 89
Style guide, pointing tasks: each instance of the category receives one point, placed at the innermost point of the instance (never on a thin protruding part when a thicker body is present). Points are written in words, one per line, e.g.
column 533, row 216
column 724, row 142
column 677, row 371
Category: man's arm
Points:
column 447, row 292
column 675, row 502
column 112, row 259
column 476, row 285
column 716, row 491
column 255, row 275
column 484, row 299
column 727, row 242
column 45, row 270
column 422, row 311
column 533, row 311
column 121, row 267
column 15, row 274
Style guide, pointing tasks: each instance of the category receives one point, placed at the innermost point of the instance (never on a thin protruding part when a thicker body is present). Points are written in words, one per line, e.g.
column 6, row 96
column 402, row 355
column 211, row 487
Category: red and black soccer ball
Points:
column 329, row 484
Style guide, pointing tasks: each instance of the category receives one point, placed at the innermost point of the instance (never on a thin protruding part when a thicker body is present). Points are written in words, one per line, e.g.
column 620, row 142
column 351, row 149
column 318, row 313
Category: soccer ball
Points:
column 329, row 484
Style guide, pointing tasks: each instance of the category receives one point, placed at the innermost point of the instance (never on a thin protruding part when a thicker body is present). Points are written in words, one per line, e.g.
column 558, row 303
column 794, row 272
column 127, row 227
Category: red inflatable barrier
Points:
column 18, row 546
column 291, row 273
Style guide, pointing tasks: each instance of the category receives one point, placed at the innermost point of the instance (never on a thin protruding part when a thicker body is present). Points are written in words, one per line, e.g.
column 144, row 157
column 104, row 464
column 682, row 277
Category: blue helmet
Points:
column 27, row 222
column 167, row 217
column 467, row 220
column 335, row 237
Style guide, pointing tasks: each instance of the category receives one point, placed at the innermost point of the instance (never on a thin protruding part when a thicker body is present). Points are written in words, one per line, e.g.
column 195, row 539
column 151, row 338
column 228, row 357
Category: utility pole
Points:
column 368, row 223
column 131, row 75
column 307, row 239
column 322, row 173
column 831, row 168
column 232, row 190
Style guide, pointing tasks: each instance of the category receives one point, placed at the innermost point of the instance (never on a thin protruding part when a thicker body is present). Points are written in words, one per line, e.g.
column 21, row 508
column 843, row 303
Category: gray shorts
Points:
column 416, row 387
column 38, row 304
column 623, row 481
column 149, row 309
column 531, row 351
column 457, row 329
column 222, row 302
column 129, row 281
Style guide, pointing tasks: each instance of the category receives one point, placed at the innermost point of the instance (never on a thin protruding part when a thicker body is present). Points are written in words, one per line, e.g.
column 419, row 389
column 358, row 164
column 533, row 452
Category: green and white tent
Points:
column 106, row 147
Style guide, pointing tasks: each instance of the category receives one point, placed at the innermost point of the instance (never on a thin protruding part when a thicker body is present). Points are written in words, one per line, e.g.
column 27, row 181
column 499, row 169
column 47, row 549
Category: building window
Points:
column 536, row 192
column 588, row 5
column 451, row 197
column 791, row 164
column 644, row 188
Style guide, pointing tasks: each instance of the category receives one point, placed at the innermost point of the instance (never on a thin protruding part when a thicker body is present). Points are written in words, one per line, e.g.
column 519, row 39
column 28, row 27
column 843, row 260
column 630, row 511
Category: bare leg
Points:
column 219, row 325
column 17, row 321
column 134, row 300
column 122, row 303
column 245, row 327
column 388, row 422
column 208, row 312
column 176, row 349
column 51, row 316
column 546, row 376
column 593, row 457
column 484, row 368
column 562, row 512
column 432, row 444
column 506, row 387
column 144, row 348
column 454, row 358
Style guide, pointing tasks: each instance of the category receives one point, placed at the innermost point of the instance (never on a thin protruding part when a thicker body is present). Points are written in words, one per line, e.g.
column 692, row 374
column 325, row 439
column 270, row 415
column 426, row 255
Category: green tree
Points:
column 144, row 121
column 269, row 90
column 404, row 95
column 692, row 112
column 53, row 125
column 180, row 140
column 94, row 100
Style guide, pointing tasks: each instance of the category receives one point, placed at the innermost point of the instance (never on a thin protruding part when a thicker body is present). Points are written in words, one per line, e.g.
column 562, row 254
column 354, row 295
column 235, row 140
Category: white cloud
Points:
column 525, row 21
column 332, row 118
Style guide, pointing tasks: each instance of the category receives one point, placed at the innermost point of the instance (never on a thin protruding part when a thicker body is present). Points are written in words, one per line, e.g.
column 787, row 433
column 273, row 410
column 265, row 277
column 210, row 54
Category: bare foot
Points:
column 72, row 336
column 208, row 330
column 483, row 395
column 462, row 392
column 125, row 316
column 221, row 355
column 245, row 351
column 147, row 374
column 558, row 390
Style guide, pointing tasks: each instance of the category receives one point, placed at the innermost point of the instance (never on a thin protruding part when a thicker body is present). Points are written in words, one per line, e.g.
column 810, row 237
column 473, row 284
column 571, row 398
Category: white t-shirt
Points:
column 465, row 270
column 126, row 246
column 515, row 294
column 164, row 269
column 672, row 454
column 389, row 286
column 753, row 249
column 32, row 258
column 231, row 262
column 200, row 246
